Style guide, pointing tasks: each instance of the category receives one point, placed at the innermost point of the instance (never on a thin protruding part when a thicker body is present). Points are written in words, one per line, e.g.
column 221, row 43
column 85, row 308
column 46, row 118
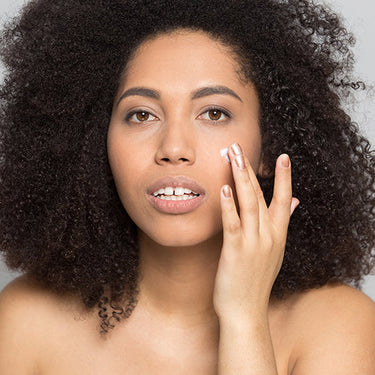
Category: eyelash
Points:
column 213, row 108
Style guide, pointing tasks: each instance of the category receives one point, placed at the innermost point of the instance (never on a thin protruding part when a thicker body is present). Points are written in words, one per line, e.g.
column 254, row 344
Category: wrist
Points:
column 246, row 316
column 249, row 322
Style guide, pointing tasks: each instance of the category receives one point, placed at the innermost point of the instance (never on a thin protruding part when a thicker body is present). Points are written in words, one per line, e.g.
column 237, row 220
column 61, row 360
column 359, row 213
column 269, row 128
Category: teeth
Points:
column 179, row 191
column 176, row 198
column 169, row 191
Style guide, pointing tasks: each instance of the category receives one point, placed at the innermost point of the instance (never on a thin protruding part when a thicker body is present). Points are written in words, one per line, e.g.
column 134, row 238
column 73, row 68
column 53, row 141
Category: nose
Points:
column 176, row 144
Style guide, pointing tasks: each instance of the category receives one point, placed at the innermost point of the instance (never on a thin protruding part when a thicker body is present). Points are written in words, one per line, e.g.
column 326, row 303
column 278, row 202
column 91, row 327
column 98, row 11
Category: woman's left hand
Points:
column 254, row 242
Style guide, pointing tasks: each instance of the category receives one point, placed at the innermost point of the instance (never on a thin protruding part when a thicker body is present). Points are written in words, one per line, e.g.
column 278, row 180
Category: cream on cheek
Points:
column 224, row 155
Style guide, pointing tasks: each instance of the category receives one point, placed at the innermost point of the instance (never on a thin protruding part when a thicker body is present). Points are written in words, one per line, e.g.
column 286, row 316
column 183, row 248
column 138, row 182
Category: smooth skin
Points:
column 204, row 304
column 250, row 260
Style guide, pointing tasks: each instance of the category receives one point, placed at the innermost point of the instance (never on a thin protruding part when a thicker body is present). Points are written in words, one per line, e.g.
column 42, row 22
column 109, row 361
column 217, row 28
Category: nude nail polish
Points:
column 236, row 148
column 240, row 161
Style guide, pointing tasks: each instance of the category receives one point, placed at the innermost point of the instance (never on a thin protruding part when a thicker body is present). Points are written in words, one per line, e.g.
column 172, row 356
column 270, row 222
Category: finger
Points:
column 229, row 216
column 246, row 195
column 262, row 205
column 280, row 207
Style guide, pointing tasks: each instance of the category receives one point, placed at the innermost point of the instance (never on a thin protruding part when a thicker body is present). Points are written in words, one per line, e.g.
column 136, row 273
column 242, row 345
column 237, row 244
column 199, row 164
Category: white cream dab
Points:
column 224, row 154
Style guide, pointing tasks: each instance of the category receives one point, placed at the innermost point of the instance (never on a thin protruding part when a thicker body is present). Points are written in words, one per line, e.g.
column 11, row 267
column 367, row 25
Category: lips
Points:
column 176, row 181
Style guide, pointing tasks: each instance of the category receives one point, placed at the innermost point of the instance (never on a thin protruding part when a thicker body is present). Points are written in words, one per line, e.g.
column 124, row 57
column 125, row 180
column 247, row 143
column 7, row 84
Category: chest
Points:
column 163, row 351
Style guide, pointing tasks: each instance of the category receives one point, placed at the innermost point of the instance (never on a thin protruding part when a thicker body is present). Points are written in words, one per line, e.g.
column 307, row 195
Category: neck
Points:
column 177, row 283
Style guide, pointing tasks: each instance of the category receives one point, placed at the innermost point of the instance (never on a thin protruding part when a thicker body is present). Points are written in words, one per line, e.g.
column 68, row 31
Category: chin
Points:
column 178, row 239
column 183, row 237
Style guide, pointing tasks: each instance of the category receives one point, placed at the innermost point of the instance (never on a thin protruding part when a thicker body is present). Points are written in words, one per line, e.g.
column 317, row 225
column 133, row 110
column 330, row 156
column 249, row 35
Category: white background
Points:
column 359, row 18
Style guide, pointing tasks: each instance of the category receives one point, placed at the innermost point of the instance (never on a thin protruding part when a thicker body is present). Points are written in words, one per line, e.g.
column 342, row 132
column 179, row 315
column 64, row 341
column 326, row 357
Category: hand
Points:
column 254, row 243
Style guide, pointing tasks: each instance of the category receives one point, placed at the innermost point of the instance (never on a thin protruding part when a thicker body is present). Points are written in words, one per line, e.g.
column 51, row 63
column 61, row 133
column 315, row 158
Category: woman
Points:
column 109, row 109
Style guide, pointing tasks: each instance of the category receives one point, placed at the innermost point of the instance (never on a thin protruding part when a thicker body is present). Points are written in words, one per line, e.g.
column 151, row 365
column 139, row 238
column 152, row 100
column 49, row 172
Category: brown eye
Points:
column 142, row 116
column 214, row 114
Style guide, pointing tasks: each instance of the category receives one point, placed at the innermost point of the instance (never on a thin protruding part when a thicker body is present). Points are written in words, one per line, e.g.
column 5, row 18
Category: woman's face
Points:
column 194, row 105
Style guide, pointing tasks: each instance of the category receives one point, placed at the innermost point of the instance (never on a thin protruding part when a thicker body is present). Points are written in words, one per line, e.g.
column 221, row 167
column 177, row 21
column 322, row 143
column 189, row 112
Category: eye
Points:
column 215, row 114
column 140, row 116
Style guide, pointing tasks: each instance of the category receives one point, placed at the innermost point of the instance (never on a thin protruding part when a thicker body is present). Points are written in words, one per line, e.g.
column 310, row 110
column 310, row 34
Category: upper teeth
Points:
column 169, row 191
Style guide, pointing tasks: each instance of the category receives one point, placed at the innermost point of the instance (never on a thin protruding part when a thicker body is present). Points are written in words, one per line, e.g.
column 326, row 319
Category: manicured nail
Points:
column 285, row 162
column 227, row 191
column 240, row 162
column 236, row 148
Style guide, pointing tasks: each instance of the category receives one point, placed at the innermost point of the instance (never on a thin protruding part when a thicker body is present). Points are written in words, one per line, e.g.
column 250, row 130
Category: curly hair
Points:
column 61, row 218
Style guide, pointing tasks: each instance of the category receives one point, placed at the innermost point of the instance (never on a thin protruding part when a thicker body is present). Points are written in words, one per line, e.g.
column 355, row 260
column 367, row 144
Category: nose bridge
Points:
column 177, row 137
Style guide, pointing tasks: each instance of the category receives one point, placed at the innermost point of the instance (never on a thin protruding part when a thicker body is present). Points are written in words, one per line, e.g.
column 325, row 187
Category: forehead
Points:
column 183, row 56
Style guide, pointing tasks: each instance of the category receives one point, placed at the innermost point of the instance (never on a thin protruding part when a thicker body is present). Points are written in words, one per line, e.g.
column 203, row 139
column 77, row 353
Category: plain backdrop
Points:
column 358, row 16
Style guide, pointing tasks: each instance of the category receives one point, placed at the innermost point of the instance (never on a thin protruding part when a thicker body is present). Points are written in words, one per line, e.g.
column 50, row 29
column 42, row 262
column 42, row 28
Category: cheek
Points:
column 252, row 147
column 125, row 172
column 122, row 162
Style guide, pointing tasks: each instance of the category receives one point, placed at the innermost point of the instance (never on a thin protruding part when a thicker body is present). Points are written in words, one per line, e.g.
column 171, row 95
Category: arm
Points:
column 245, row 347
column 251, row 257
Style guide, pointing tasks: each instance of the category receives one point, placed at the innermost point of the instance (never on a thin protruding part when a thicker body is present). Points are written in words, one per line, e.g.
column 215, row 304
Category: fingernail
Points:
column 285, row 161
column 236, row 148
column 240, row 162
column 227, row 191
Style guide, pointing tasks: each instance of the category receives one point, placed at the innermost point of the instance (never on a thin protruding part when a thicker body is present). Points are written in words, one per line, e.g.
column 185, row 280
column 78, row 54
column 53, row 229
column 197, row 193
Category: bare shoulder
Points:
column 335, row 299
column 334, row 331
column 26, row 294
column 27, row 299
column 21, row 290
column 20, row 327
column 28, row 314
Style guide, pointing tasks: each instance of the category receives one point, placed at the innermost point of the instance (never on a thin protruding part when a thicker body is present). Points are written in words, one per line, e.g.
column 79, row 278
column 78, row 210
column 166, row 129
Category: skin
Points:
column 206, row 275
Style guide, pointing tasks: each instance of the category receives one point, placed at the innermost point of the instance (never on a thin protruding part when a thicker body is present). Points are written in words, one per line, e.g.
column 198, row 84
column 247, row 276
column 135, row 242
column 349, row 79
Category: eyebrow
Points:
column 214, row 90
column 199, row 93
